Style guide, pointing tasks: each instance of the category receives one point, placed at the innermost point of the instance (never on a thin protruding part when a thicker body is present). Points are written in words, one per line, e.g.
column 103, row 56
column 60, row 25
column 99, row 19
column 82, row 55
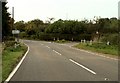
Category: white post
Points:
column 108, row 43
column 72, row 39
column 57, row 39
column 81, row 41
column 90, row 42
column 54, row 39
column 84, row 41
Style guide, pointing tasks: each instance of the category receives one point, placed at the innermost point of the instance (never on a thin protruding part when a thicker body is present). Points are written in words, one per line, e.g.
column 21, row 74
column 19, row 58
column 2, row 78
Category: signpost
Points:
column 15, row 32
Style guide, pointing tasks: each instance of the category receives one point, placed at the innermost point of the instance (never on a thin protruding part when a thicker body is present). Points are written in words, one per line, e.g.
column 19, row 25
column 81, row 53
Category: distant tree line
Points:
column 6, row 22
column 103, row 29
column 75, row 30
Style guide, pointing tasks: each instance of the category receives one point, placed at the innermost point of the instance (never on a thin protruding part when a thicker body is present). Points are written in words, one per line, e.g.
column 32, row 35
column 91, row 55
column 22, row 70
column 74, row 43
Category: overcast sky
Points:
column 63, row 9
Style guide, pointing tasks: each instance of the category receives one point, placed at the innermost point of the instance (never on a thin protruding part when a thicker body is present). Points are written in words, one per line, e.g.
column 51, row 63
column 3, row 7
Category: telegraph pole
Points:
column 13, row 22
column 13, row 17
column 0, row 22
column 15, row 32
column 0, row 41
column 119, row 28
column 13, row 25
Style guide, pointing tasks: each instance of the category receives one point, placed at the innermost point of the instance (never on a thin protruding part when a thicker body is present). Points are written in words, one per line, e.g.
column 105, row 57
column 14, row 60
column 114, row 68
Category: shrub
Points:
column 112, row 38
column 10, row 43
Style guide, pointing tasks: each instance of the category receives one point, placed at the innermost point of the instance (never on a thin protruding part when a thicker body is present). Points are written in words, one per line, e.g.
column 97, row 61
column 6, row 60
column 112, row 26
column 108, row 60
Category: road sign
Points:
column 15, row 31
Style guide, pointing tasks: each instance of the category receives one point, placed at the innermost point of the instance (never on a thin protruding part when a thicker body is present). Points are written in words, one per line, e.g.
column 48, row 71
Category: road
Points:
column 48, row 61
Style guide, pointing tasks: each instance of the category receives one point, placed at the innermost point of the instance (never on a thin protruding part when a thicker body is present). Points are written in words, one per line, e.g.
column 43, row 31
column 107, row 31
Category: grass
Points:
column 10, row 57
column 62, row 41
column 99, row 47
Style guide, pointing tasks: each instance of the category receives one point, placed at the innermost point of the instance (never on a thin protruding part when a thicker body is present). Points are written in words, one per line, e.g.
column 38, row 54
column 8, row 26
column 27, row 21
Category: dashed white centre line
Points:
column 47, row 46
column 106, row 79
column 42, row 44
column 57, row 52
column 82, row 66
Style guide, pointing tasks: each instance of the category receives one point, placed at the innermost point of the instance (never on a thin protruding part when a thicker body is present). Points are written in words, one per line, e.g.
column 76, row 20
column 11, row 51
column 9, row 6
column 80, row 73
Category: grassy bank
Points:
column 10, row 57
column 62, row 41
column 99, row 47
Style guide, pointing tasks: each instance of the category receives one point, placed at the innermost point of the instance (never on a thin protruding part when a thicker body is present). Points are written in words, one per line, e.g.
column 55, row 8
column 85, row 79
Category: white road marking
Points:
column 93, row 53
column 17, row 67
column 57, row 52
column 42, row 44
column 106, row 79
column 47, row 46
column 63, row 44
column 82, row 66
column 48, row 42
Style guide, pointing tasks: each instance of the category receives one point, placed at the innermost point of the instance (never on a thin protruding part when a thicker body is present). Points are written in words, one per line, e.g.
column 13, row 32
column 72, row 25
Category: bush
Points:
column 52, row 36
column 61, row 41
column 112, row 38
column 68, row 37
column 10, row 43
column 8, row 38
column 23, row 35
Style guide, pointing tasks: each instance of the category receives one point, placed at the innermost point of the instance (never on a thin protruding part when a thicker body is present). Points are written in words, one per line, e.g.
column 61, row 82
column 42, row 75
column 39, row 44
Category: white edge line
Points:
column 93, row 53
column 82, row 66
column 57, row 52
column 63, row 44
column 47, row 46
column 17, row 67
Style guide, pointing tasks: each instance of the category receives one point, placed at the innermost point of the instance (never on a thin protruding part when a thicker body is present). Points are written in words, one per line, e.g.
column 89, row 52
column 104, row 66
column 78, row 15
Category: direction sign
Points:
column 15, row 31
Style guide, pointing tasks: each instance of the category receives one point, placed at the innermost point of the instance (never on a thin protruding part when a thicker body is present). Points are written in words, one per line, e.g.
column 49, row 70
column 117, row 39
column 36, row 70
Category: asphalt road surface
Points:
column 48, row 61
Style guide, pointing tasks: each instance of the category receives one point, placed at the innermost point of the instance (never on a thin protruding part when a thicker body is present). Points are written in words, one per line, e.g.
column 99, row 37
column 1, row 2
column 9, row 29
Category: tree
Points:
column 35, row 27
column 6, row 28
column 20, row 25
column 50, row 20
column 113, row 25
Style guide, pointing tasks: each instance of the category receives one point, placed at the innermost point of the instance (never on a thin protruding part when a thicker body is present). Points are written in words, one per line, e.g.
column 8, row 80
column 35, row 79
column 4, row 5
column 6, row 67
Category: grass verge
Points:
column 100, row 48
column 10, row 57
column 62, row 41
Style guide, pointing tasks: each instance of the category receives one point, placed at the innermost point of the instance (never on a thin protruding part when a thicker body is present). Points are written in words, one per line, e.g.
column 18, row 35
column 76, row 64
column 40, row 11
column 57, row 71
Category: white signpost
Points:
column 15, row 31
